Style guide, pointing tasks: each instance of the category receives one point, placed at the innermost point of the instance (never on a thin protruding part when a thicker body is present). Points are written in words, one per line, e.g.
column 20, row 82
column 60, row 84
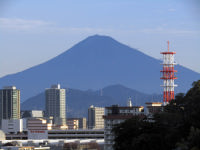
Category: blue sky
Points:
column 34, row 31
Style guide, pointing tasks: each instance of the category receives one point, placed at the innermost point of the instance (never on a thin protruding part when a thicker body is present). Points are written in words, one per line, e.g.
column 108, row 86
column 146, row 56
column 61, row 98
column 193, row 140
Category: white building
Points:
column 38, row 128
column 12, row 126
column 95, row 117
column 115, row 115
column 32, row 114
column 37, row 113
column 56, row 104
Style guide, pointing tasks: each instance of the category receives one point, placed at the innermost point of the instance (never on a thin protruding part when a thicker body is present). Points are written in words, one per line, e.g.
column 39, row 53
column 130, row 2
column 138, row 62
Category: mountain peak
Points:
column 99, row 39
column 97, row 36
column 96, row 62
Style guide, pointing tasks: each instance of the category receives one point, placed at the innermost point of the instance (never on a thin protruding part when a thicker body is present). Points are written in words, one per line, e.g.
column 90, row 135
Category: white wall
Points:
column 12, row 125
column 37, row 134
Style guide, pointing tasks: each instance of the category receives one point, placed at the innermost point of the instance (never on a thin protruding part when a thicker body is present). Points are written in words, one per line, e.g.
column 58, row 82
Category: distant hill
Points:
column 96, row 62
column 79, row 101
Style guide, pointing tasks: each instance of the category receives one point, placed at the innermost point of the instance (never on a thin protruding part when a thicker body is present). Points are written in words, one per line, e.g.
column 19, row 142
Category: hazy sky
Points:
column 33, row 31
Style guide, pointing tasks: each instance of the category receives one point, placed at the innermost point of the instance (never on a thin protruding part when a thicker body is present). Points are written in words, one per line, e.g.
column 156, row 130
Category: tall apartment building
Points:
column 115, row 115
column 9, row 103
column 95, row 117
column 56, row 104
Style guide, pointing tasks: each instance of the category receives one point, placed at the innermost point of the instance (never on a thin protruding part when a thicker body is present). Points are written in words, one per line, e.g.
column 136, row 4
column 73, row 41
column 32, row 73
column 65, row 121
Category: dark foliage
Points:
column 176, row 127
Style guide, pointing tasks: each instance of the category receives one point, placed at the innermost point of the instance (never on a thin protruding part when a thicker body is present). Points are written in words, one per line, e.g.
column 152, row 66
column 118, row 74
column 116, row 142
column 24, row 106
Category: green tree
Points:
column 176, row 127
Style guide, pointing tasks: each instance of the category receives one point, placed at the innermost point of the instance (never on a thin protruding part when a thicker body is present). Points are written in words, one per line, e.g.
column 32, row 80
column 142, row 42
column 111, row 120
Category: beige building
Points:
column 95, row 117
column 73, row 124
column 2, row 135
column 82, row 122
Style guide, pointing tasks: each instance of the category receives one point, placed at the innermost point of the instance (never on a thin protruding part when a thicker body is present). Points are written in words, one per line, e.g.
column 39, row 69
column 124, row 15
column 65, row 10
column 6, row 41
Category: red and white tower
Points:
column 168, row 75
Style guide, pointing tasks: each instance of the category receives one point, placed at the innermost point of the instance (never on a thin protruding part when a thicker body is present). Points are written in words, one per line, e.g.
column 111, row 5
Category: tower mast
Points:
column 168, row 75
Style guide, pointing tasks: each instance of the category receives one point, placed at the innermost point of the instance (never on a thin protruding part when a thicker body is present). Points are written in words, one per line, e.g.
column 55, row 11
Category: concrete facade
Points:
column 12, row 126
column 116, row 115
column 56, row 104
column 95, row 117
column 73, row 124
column 153, row 107
column 38, row 128
column 82, row 122
column 32, row 114
column 9, row 103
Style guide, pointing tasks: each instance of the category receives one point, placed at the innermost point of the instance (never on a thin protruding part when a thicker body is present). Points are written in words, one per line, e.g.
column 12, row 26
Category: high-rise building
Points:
column 56, row 104
column 9, row 103
column 95, row 117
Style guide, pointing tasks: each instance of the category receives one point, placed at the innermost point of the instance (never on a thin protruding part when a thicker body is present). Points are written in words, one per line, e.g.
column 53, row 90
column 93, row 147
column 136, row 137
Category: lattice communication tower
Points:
column 168, row 75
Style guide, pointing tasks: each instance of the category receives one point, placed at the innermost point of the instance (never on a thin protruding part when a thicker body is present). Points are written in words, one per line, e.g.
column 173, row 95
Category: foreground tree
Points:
column 177, row 127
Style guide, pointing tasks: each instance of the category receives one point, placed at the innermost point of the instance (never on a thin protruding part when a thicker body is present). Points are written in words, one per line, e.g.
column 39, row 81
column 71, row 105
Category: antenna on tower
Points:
column 101, row 92
column 168, row 45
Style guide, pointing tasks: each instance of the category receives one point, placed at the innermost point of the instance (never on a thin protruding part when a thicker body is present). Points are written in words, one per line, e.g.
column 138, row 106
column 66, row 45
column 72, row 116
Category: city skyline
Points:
column 29, row 39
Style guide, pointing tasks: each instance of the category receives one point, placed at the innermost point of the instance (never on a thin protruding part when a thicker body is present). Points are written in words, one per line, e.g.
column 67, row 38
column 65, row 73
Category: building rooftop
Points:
column 9, row 87
column 125, row 107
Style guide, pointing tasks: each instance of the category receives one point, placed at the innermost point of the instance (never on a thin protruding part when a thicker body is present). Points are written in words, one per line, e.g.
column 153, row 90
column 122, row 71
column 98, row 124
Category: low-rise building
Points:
column 19, row 136
column 82, row 122
column 153, row 107
column 115, row 115
column 38, row 128
column 54, row 144
column 12, row 126
column 76, row 134
column 17, row 148
column 24, row 148
column 72, row 123
column 32, row 114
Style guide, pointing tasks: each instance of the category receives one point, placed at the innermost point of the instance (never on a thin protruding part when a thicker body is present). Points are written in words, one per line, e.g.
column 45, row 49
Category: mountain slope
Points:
column 78, row 101
column 96, row 62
